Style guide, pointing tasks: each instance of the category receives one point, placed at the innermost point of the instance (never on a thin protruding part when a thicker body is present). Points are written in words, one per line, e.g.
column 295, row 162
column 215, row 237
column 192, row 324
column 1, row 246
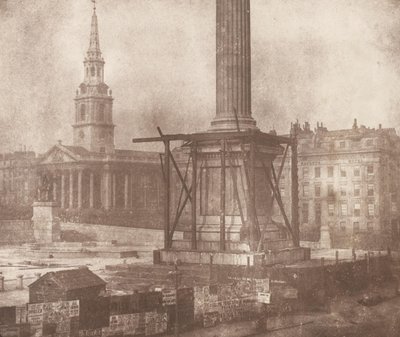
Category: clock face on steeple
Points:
column 93, row 127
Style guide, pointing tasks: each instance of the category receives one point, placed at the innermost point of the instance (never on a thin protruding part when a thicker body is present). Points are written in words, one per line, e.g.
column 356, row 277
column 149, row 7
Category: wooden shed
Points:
column 66, row 285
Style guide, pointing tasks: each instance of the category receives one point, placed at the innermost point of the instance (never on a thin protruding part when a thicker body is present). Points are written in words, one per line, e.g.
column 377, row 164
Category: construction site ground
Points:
column 344, row 316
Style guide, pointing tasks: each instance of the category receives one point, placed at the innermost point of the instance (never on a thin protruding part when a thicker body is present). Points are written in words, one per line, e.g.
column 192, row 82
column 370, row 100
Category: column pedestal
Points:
column 46, row 224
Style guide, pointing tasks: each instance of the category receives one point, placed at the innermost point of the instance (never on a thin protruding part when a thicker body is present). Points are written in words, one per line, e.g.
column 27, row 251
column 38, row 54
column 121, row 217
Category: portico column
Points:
column 126, row 190
column 54, row 187
column 71, row 189
column 62, row 195
column 91, row 187
column 106, row 185
column 80, row 189
column 114, row 189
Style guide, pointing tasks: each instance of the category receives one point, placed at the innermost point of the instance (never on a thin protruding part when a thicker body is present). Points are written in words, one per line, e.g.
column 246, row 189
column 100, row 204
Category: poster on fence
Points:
column 35, row 313
column 90, row 333
column 262, row 285
column 155, row 323
column 264, row 297
column 168, row 297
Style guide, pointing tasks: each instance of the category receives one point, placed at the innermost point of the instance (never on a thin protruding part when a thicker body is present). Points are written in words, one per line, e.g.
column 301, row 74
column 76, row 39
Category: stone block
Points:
column 46, row 224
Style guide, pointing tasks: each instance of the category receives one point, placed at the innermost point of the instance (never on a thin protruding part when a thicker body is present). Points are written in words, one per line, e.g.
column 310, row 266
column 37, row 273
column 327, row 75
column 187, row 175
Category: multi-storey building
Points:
column 348, row 181
column 17, row 178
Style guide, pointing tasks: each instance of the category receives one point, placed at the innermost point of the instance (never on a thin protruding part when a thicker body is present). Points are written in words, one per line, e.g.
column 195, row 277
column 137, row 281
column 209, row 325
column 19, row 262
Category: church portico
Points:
column 82, row 180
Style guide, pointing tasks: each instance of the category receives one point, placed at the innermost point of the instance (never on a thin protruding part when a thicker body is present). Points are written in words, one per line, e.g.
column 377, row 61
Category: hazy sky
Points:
column 315, row 60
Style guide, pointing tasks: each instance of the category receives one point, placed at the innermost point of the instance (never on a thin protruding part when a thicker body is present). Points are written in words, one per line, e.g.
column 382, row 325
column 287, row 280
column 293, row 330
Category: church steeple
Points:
column 94, row 45
column 93, row 127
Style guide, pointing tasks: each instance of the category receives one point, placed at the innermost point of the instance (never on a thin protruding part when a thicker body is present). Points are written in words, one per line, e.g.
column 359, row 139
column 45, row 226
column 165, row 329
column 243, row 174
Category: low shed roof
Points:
column 72, row 279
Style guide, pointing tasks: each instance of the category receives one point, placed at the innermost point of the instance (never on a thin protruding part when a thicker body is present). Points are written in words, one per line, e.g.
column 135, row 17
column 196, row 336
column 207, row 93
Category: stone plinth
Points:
column 282, row 256
column 240, row 171
column 46, row 224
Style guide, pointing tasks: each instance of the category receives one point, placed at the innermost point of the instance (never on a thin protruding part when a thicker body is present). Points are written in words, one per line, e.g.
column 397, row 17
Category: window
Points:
column 356, row 226
column 357, row 209
column 83, row 112
column 357, row 190
column 305, row 213
column 356, row 171
column 81, row 134
column 343, row 209
column 370, row 190
column 343, row 226
column 370, row 169
column 305, row 172
column 342, row 145
column 343, row 191
column 343, row 172
column 102, row 134
column 92, row 71
column 371, row 209
column 331, row 192
column 102, row 149
column 98, row 72
column 370, row 226
column 331, row 209
column 306, row 190
column 317, row 172
column 318, row 213
column 370, row 142
column 317, row 190
column 330, row 171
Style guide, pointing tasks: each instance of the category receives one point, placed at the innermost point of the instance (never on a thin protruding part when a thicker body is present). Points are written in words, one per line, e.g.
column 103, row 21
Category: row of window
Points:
column 342, row 144
column 331, row 190
column 343, row 211
column 331, row 170
column 356, row 226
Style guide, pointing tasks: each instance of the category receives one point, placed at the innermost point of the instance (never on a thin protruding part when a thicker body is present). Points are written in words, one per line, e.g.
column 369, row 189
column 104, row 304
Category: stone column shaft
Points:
column 126, row 196
column 62, row 196
column 114, row 190
column 91, row 188
column 54, row 188
column 71, row 189
column 80, row 188
column 233, row 62
column 106, row 186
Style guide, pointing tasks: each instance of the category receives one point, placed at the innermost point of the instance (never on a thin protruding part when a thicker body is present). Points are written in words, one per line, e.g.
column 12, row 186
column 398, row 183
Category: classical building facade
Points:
column 348, row 180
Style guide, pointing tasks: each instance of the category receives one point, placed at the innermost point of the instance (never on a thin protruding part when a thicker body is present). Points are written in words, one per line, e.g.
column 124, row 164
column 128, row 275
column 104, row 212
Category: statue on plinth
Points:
column 44, row 191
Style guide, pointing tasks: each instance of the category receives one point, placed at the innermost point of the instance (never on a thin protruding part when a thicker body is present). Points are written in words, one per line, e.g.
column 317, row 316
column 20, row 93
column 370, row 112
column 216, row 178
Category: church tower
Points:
column 93, row 127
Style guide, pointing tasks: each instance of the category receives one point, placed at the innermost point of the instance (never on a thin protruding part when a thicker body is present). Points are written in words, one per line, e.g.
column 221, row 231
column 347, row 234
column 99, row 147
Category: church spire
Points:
column 94, row 45
column 93, row 127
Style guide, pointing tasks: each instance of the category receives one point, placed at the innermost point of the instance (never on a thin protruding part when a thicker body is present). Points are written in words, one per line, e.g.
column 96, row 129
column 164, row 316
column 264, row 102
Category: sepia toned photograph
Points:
column 205, row 168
